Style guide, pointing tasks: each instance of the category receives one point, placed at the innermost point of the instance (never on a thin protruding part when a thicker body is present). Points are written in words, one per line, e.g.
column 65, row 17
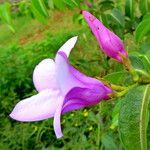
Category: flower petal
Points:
column 64, row 77
column 74, row 105
column 57, row 116
column 37, row 107
column 91, row 83
column 82, row 97
column 83, row 90
column 44, row 75
column 69, row 78
column 90, row 19
column 111, row 44
column 67, row 47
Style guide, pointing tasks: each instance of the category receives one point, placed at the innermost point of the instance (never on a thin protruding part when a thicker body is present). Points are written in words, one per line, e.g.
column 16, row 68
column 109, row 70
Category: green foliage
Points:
column 16, row 84
column 91, row 128
column 129, row 10
column 109, row 143
column 119, row 77
column 39, row 10
column 118, row 17
column 142, row 29
column 143, row 6
column 5, row 15
column 133, row 120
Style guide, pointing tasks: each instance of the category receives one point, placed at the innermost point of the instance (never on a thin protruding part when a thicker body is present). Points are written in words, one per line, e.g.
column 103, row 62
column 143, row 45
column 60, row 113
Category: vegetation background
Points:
column 31, row 30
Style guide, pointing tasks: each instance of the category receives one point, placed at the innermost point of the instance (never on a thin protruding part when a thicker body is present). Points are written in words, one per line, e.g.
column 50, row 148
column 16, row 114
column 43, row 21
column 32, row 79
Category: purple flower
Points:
column 110, row 43
column 61, row 89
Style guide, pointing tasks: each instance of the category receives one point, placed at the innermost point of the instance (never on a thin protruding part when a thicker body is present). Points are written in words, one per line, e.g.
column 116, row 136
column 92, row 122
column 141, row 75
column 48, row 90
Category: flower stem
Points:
column 98, row 128
column 130, row 69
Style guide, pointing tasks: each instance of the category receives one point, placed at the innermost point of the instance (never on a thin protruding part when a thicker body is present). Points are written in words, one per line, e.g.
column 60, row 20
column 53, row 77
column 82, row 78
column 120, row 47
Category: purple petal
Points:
column 37, row 107
column 66, row 80
column 111, row 44
column 90, row 19
column 74, row 105
column 91, row 83
column 44, row 75
column 83, row 78
column 82, row 97
column 69, row 78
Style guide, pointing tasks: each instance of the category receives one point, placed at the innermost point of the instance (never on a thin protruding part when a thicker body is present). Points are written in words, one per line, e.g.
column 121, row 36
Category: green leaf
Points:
column 146, row 62
column 115, row 114
column 59, row 4
column 145, row 48
column 140, row 61
column 129, row 8
column 143, row 6
column 50, row 4
column 117, row 16
column 40, row 7
column 39, row 10
column 71, row 3
column 146, row 16
column 108, row 142
column 133, row 118
column 136, row 62
column 117, row 77
column 104, row 18
column 142, row 29
column 106, row 5
column 5, row 15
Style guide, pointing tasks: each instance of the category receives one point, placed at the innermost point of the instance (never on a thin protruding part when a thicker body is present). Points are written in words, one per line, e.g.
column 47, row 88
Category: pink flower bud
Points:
column 109, row 43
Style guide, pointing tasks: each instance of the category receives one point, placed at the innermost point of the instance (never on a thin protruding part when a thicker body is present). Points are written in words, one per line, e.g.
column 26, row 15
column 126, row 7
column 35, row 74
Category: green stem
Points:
column 122, row 93
column 143, row 73
column 98, row 128
column 130, row 69
column 134, row 74
column 118, row 87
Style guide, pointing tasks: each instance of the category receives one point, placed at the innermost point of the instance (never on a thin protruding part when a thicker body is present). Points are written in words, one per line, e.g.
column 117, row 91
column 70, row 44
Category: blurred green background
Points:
column 33, row 30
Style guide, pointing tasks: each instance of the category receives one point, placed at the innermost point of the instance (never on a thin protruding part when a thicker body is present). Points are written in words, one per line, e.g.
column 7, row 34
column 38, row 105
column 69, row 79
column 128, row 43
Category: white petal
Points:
column 67, row 47
column 44, row 75
column 37, row 107
column 65, row 78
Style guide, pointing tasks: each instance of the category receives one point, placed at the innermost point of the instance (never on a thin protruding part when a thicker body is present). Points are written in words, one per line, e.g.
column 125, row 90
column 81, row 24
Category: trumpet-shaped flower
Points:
column 109, row 43
column 61, row 89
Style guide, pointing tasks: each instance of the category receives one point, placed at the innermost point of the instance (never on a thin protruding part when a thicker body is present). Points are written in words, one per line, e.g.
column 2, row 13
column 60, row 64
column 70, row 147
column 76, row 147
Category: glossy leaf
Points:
column 115, row 114
column 140, row 61
column 146, row 62
column 129, row 8
column 40, row 7
column 39, row 10
column 108, row 142
column 118, row 17
column 133, row 118
column 146, row 16
column 117, row 77
column 5, row 15
column 71, row 3
column 59, row 4
column 106, row 5
column 143, row 6
column 142, row 29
